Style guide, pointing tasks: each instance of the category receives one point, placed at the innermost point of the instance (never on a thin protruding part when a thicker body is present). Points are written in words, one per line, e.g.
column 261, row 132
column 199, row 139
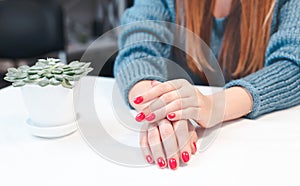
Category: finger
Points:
column 194, row 114
column 194, row 137
column 170, row 97
column 190, row 113
column 145, row 145
column 183, row 139
column 170, row 143
column 177, row 105
column 193, row 141
column 185, row 113
column 158, row 90
column 154, row 83
column 156, row 147
column 162, row 101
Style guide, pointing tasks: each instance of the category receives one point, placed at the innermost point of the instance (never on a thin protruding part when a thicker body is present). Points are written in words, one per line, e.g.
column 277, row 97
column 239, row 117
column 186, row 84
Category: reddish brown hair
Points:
column 245, row 38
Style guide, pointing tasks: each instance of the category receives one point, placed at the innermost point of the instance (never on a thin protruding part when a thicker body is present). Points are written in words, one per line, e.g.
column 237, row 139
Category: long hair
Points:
column 245, row 38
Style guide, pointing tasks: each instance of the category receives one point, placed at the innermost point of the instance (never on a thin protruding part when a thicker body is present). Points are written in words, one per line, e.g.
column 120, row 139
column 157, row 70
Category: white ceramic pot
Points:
column 51, row 110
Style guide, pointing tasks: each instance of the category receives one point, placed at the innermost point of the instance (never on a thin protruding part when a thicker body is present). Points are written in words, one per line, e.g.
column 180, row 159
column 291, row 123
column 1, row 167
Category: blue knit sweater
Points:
column 275, row 87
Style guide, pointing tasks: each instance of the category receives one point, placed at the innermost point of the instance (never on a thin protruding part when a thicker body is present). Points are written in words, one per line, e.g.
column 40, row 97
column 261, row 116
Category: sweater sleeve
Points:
column 144, row 43
column 277, row 85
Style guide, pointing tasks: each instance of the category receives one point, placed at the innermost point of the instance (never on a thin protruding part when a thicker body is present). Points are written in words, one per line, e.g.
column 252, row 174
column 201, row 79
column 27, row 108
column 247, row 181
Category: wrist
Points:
column 238, row 103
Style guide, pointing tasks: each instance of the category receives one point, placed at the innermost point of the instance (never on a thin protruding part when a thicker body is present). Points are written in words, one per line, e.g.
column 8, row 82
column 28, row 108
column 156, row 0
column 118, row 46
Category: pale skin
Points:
column 169, row 106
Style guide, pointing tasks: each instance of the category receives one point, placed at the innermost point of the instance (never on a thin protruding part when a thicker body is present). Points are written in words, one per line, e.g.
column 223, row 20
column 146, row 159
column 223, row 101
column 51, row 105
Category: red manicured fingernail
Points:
column 149, row 159
column 140, row 117
column 195, row 146
column 171, row 115
column 138, row 100
column 161, row 162
column 185, row 157
column 173, row 163
column 150, row 117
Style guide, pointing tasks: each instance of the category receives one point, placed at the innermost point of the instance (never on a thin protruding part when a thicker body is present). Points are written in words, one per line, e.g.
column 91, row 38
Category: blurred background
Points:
column 33, row 29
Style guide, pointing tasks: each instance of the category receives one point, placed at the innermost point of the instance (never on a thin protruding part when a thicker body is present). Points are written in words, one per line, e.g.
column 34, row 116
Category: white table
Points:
column 263, row 152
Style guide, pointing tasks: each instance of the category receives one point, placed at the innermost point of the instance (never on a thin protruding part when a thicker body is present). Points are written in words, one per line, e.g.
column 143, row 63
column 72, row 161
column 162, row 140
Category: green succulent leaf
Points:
column 18, row 83
column 69, row 78
column 53, row 60
column 10, row 79
column 34, row 77
column 42, row 73
column 23, row 68
column 65, row 67
column 70, row 73
column 59, row 77
column 48, row 71
column 28, row 81
column 88, row 70
column 32, row 72
column 42, row 60
column 54, row 82
column 79, row 71
column 12, row 70
column 21, row 75
column 44, row 82
column 86, row 65
column 41, row 65
column 76, row 77
column 36, row 68
column 57, row 71
column 65, row 83
column 10, row 74
column 49, row 76
column 74, row 63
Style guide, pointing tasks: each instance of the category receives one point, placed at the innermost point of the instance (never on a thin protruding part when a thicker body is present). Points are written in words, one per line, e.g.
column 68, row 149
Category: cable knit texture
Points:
column 142, row 54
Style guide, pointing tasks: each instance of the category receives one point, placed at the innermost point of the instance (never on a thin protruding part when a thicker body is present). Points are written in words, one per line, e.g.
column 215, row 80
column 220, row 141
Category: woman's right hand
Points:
column 164, row 142
column 168, row 144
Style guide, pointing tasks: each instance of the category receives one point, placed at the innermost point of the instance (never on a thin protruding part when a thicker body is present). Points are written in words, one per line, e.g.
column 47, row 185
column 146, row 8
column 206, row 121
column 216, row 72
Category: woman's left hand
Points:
column 168, row 143
column 176, row 100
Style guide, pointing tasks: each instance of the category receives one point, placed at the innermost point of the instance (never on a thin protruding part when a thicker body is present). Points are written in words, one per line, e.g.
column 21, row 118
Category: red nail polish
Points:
column 138, row 100
column 140, row 117
column 195, row 146
column 185, row 157
column 173, row 163
column 149, row 159
column 150, row 117
column 171, row 115
column 161, row 162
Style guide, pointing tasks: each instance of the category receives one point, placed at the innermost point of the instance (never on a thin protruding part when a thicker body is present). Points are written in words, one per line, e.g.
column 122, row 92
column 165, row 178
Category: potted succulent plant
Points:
column 49, row 89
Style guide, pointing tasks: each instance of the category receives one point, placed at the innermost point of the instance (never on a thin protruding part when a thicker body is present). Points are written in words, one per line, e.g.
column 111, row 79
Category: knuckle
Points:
column 164, row 87
column 165, row 131
column 180, row 132
column 167, row 98
column 177, row 104
column 194, row 113
column 184, row 82
column 152, row 137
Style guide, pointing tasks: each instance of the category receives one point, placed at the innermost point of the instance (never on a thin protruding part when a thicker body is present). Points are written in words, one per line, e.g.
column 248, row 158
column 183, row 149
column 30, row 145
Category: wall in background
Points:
column 85, row 20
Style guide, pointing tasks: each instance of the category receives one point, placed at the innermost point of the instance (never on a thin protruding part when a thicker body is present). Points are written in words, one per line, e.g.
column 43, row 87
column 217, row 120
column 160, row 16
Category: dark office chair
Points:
column 30, row 28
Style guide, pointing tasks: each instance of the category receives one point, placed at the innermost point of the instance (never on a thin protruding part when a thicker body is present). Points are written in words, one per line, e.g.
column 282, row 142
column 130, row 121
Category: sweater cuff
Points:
column 274, row 87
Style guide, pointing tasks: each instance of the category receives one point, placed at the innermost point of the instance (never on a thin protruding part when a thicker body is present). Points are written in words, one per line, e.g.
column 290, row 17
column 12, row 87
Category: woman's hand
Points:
column 163, row 142
column 175, row 100
column 168, row 144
